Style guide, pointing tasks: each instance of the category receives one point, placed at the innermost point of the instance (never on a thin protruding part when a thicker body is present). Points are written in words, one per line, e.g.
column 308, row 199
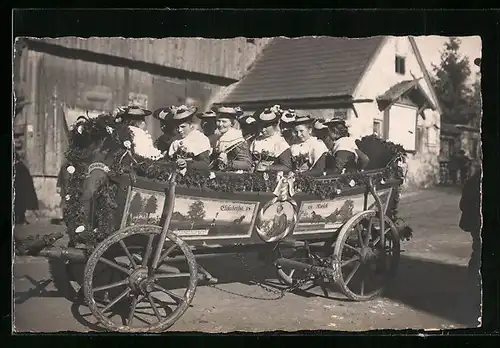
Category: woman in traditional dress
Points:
column 309, row 154
column 169, row 134
column 344, row 151
column 135, row 118
column 192, row 150
column 231, row 151
column 209, row 126
column 287, row 127
column 270, row 151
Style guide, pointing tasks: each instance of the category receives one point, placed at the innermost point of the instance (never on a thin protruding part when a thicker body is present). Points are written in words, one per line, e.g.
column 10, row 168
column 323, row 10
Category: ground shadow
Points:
column 443, row 290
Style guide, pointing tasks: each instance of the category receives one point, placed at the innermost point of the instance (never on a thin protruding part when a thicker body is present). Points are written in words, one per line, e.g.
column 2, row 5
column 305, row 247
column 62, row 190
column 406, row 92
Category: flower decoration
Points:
column 107, row 196
column 80, row 229
column 250, row 120
column 352, row 183
column 70, row 169
column 109, row 130
column 276, row 109
column 80, row 129
column 127, row 144
column 67, row 197
column 382, row 181
column 212, row 175
column 118, row 119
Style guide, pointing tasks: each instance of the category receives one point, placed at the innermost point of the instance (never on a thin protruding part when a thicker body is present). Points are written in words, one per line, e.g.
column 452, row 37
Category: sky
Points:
column 431, row 46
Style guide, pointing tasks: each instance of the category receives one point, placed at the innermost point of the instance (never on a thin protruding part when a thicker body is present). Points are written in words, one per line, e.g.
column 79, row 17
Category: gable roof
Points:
column 403, row 87
column 425, row 72
column 306, row 68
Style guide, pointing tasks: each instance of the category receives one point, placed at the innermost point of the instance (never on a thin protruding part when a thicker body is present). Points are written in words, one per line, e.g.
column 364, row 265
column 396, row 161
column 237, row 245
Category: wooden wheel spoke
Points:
column 351, row 260
column 165, row 254
column 135, row 301
column 149, row 250
column 111, row 286
column 359, row 230
column 114, row 265
column 178, row 299
column 355, row 269
column 127, row 252
column 116, row 300
column 362, row 287
column 171, row 275
column 378, row 237
column 155, row 309
column 356, row 250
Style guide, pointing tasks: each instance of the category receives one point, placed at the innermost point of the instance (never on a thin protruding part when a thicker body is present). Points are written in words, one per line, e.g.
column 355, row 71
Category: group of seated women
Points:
column 269, row 140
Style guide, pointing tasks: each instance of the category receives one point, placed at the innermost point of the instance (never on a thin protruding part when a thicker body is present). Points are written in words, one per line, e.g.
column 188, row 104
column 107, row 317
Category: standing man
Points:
column 470, row 221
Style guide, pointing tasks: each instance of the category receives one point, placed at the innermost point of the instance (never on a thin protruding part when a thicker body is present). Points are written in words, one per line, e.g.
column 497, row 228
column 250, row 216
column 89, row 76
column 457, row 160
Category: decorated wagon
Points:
column 139, row 225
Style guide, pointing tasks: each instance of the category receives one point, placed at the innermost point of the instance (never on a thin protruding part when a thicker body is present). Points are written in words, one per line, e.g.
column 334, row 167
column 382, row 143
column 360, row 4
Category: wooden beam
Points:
column 101, row 58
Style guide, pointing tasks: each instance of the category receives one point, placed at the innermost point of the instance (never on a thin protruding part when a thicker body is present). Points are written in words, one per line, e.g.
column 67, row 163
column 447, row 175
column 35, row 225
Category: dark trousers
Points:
column 475, row 258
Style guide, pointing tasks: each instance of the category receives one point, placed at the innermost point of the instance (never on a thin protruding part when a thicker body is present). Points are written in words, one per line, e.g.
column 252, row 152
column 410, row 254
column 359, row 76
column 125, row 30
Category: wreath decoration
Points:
column 114, row 139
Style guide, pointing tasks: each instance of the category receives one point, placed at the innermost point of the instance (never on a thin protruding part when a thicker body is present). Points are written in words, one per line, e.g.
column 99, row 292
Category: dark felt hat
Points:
column 477, row 61
column 268, row 117
column 299, row 120
column 228, row 112
column 176, row 114
column 207, row 116
column 131, row 112
column 324, row 124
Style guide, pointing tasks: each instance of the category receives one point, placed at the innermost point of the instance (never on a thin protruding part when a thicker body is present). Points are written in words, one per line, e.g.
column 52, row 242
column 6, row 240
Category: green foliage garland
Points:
column 109, row 139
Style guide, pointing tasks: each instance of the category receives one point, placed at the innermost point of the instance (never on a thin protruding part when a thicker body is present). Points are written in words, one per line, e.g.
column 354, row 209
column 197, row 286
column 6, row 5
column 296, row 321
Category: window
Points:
column 377, row 128
column 341, row 113
column 400, row 65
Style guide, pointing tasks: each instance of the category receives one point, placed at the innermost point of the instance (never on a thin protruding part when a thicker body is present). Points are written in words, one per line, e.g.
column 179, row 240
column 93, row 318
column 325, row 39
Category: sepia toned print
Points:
column 206, row 184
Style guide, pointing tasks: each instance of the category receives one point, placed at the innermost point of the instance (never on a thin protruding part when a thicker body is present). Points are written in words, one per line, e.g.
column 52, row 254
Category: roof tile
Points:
column 306, row 68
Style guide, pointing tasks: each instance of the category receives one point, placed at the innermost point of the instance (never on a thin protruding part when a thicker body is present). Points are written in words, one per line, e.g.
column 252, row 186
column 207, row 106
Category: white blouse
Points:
column 195, row 142
column 274, row 145
column 313, row 148
column 231, row 137
column 144, row 145
column 345, row 144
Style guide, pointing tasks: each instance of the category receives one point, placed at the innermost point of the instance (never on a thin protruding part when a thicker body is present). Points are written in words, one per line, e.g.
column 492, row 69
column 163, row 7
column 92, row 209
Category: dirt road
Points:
column 432, row 289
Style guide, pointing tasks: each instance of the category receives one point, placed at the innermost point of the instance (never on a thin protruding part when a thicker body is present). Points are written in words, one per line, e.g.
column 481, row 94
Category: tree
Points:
column 151, row 206
column 476, row 103
column 136, row 205
column 196, row 211
column 450, row 84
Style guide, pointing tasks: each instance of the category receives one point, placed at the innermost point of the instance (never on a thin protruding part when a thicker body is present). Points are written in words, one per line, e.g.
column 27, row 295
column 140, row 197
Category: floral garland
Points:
column 105, row 135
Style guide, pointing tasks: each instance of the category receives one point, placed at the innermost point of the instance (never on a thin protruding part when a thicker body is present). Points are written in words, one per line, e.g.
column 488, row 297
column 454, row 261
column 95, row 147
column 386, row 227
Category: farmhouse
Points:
column 377, row 84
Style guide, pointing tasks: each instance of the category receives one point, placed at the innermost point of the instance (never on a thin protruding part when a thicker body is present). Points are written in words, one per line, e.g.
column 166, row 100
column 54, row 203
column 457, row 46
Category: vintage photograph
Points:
column 212, row 218
column 276, row 220
column 267, row 145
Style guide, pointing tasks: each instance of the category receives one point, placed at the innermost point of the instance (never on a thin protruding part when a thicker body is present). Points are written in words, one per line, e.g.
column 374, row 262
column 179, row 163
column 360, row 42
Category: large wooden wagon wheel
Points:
column 365, row 266
column 140, row 299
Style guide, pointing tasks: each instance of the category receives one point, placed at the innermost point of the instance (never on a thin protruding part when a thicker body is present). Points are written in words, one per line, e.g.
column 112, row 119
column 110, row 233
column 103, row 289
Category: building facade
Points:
column 378, row 85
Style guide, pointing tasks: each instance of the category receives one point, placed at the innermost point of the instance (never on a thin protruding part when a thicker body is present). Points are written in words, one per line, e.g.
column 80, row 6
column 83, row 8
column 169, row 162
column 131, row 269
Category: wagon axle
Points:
column 319, row 271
